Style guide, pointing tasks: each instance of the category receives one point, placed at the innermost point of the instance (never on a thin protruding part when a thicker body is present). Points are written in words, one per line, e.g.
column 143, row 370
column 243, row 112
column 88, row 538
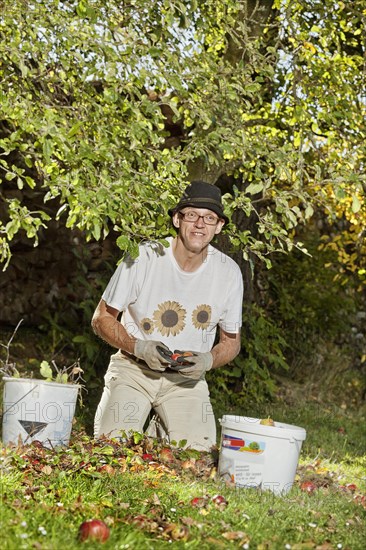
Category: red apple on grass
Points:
column 198, row 502
column 188, row 463
column 219, row 500
column 308, row 486
column 147, row 457
column 93, row 529
column 166, row 455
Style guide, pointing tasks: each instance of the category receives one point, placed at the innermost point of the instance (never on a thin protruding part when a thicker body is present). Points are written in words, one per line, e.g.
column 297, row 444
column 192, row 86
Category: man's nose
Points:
column 200, row 222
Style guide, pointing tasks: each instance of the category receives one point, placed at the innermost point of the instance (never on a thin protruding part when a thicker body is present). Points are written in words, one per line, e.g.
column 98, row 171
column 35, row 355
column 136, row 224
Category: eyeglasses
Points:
column 193, row 217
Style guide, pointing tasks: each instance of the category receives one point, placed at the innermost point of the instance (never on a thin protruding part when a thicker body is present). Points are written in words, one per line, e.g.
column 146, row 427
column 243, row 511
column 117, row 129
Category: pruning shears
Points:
column 177, row 360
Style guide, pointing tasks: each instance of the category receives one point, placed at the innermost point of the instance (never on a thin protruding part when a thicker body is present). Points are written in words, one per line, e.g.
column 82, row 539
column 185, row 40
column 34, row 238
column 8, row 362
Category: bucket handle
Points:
column 295, row 442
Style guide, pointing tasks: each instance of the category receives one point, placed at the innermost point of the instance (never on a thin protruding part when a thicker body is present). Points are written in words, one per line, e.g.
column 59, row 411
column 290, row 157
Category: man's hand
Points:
column 198, row 365
column 147, row 351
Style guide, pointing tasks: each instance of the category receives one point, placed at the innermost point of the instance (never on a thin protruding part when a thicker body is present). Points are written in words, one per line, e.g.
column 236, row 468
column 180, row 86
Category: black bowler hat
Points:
column 201, row 194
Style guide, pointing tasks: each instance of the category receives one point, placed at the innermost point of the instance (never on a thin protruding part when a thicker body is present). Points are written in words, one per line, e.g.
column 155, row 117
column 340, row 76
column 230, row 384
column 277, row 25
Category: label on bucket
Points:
column 242, row 460
column 244, row 446
column 248, row 475
column 246, row 471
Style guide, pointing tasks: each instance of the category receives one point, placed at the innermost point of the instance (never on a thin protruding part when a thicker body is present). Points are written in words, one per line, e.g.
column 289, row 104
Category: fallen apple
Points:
column 188, row 463
column 267, row 422
column 148, row 457
column 93, row 529
column 308, row 486
column 219, row 501
column 141, row 521
column 360, row 499
column 106, row 468
column 166, row 455
column 177, row 532
column 198, row 502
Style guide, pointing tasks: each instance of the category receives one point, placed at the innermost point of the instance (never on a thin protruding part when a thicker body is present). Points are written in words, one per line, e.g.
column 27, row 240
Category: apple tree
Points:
column 109, row 108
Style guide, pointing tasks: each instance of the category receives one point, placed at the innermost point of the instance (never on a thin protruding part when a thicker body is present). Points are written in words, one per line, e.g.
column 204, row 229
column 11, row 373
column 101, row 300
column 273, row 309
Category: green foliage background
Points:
column 266, row 92
column 108, row 109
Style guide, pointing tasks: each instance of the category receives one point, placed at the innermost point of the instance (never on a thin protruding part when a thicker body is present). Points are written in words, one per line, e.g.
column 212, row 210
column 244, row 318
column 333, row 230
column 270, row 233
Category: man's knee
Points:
column 116, row 415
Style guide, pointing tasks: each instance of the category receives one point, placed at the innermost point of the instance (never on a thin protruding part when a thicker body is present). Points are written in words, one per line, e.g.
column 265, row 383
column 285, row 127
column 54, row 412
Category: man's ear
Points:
column 219, row 226
column 175, row 220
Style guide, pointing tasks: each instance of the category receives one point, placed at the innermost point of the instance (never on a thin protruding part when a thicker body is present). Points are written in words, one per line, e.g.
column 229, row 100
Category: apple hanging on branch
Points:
column 93, row 529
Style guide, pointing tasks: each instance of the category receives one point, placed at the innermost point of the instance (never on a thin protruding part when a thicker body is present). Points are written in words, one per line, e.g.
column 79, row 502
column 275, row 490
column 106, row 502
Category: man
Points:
column 171, row 299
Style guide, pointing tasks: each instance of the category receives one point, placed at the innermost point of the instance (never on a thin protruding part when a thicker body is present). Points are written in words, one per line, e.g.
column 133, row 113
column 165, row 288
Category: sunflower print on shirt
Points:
column 201, row 317
column 169, row 318
column 147, row 325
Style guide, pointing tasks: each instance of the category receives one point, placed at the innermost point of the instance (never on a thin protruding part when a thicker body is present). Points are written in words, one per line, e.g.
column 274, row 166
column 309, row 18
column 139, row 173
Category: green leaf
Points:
column 80, row 339
column 74, row 130
column 107, row 450
column 96, row 231
column 30, row 181
column 61, row 378
column 47, row 149
column 123, row 242
column 137, row 437
column 45, row 370
column 254, row 188
column 356, row 204
column 309, row 211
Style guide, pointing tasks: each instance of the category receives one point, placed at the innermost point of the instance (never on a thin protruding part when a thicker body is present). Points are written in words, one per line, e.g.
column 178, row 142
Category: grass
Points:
column 50, row 516
column 47, row 494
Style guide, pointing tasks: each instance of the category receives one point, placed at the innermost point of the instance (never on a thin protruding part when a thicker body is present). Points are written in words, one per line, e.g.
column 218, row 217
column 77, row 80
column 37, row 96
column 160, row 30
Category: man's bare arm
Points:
column 106, row 325
column 226, row 350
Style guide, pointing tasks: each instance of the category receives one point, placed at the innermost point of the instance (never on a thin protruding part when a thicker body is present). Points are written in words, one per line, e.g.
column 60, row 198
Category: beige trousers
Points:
column 132, row 389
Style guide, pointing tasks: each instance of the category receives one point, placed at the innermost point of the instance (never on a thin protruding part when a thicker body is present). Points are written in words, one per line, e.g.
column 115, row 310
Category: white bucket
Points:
column 255, row 455
column 38, row 410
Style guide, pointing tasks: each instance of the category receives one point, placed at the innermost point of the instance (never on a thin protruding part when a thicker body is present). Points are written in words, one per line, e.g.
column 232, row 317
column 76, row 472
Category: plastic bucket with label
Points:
column 38, row 410
column 260, row 456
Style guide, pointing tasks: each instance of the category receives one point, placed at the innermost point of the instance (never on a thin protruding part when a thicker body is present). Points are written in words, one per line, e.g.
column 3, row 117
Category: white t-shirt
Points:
column 182, row 309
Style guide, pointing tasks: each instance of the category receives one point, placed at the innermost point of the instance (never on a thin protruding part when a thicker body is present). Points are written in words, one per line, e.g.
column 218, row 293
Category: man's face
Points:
column 196, row 234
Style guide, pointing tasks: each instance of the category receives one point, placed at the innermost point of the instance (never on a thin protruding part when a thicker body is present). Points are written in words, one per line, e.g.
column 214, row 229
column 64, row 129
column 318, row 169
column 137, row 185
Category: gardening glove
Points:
column 147, row 351
column 198, row 365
